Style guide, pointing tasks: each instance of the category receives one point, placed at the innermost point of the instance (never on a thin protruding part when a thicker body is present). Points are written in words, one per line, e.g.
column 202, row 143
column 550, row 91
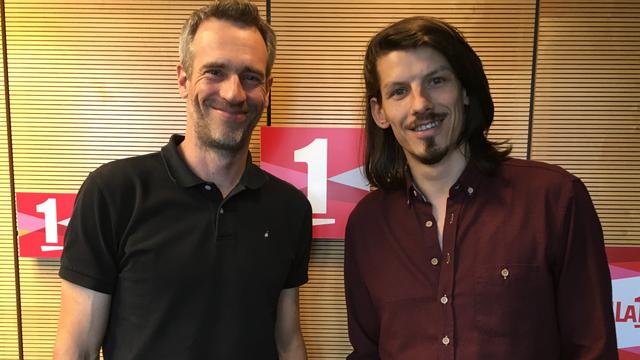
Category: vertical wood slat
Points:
column 587, row 107
column 8, row 309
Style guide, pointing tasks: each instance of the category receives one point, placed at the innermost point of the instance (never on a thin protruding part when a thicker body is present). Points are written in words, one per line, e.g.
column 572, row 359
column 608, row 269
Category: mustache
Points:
column 430, row 116
column 223, row 105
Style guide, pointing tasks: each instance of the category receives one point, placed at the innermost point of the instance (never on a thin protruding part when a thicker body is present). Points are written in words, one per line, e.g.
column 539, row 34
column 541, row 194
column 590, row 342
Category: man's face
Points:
column 422, row 101
column 228, row 88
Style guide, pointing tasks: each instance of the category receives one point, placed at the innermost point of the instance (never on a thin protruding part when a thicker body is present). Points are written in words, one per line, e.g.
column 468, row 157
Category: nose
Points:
column 421, row 101
column 232, row 91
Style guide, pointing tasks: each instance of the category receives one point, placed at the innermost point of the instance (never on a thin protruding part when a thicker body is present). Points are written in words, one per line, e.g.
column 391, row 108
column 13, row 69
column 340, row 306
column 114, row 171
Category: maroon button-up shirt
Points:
column 522, row 273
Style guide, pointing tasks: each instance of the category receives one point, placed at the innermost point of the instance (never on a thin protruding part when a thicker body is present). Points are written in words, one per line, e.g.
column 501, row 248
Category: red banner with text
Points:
column 326, row 164
column 42, row 222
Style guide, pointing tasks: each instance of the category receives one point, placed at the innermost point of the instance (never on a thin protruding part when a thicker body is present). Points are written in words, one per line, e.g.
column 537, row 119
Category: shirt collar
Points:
column 467, row 183
column 253, row 177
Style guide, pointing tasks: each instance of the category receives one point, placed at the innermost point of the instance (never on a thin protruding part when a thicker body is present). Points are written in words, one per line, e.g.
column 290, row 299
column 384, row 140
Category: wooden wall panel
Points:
column 318, row 82
column 8, row 304
column 90, row 82
column 94, row 81
column 587, row 106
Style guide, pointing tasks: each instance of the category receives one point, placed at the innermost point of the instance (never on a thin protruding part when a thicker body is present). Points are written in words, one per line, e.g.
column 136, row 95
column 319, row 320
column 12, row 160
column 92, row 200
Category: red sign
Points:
column 326, row 164
column 42, row 222
column 624, row 263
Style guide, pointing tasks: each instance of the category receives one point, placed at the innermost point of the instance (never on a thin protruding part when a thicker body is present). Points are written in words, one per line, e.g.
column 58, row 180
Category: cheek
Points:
column 257, row 96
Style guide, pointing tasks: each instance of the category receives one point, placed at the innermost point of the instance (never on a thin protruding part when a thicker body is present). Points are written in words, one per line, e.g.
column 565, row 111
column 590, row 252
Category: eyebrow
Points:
column 427, row 75
column 223, row 65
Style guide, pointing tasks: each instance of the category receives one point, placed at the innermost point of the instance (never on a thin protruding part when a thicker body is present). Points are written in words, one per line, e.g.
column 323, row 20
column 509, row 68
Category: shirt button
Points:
column 221, row 211
column 208, row 187
column 434, row 261
column 428, row 224
column 445, row 340
column 444, row 299
column 505, row 273
column 470, row 190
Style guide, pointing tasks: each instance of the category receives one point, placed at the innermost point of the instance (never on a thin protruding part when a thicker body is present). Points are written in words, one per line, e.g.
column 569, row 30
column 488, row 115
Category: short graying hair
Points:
column 240, row 12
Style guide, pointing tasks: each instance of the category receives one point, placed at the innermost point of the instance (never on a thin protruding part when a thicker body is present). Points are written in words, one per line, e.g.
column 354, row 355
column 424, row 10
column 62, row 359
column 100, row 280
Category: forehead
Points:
column 227, row 42
column 399, row 65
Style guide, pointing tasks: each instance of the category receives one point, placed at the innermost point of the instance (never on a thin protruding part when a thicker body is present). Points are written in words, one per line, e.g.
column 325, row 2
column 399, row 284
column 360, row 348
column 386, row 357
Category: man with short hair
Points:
column 192, row 252
column 463, row 252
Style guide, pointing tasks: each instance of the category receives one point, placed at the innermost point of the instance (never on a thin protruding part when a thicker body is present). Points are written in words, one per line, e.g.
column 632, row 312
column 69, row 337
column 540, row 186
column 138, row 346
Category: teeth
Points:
column 427, row 126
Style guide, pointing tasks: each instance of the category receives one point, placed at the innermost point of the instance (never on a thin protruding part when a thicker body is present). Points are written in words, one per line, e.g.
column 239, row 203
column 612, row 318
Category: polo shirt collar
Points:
column 252, row 177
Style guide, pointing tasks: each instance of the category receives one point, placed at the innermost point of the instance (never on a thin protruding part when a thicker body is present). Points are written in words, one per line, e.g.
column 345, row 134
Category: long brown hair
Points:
column 385, row 162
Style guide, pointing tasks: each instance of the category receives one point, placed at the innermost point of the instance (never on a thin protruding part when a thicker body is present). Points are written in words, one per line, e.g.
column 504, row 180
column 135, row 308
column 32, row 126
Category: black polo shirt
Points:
column 192, row 275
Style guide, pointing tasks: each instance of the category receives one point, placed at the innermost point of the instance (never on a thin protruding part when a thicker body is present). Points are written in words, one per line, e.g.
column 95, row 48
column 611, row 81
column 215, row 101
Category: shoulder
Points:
column 538, row 169
column 281, row 191
column 131, row 166
column 541, row 180
column 535, row 174
column 120, row 181
column 122, row 171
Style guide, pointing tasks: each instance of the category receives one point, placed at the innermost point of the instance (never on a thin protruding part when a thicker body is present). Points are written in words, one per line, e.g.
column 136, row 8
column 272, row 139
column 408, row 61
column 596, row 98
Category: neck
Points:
column 434, row 181
column 221, row 168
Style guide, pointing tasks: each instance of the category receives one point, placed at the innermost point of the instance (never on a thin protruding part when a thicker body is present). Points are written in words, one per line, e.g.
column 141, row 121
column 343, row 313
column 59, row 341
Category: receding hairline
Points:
column 239, row 25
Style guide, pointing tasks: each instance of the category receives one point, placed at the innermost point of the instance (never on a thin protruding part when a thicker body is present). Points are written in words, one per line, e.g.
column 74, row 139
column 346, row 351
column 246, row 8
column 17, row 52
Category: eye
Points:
column 398, row 92
column 214, row 73
column 251, row 78
column 437, row 80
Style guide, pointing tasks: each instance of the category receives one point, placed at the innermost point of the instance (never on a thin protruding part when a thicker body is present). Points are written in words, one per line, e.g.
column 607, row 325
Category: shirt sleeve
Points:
column 585, row 314
column 88, row 256
column 298, row 274
column 362, row 318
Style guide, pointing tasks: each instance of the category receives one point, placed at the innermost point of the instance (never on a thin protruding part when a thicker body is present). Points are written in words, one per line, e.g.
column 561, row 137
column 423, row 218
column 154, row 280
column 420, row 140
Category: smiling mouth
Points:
column 231, row 113
column 433, row 121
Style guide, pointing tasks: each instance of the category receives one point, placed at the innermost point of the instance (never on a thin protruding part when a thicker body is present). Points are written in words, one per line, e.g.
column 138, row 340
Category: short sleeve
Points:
column 88, row 257
column 298, row 272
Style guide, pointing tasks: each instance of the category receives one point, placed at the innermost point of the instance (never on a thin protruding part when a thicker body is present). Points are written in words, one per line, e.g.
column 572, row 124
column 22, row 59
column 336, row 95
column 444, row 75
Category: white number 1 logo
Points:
column 315, row 156
column 48, row 208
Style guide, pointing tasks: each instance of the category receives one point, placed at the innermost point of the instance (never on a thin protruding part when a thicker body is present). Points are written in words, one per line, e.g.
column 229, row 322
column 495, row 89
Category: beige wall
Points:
column 90, row 82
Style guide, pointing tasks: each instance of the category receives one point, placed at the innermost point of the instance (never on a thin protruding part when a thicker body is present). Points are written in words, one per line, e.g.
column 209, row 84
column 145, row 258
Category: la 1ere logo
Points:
column 325, row 164
column 624, row 263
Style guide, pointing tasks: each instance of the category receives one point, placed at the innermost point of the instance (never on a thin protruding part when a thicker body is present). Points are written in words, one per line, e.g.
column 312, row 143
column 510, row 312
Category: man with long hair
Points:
column 463, row 252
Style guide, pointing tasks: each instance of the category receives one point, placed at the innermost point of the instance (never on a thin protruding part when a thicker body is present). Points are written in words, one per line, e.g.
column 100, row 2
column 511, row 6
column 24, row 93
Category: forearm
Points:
column 82, row 323
column 295, row 350
column 66, row 350
column 288, row 335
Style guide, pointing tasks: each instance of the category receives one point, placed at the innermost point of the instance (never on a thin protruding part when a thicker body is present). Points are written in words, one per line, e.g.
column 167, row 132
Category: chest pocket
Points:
column 509, row 298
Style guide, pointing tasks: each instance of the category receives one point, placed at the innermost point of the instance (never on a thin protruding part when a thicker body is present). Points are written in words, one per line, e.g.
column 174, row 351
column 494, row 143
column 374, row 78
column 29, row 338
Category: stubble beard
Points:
column 226, row 142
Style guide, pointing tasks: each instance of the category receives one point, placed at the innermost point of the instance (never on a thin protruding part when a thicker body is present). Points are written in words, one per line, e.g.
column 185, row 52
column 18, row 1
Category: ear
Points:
column 183, row 81
column 378, row 113
column 465, row 98
column 267, row 89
